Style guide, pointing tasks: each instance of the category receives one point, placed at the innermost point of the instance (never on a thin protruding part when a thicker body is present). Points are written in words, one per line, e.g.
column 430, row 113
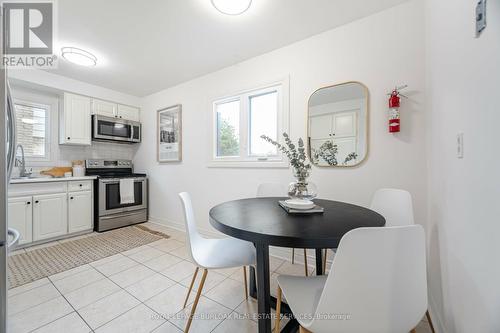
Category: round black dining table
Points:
column 263, row 222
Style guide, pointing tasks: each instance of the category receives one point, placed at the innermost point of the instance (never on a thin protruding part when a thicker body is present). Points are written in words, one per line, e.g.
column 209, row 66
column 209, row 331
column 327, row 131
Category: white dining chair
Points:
column 394, row 205
column 367, row 291
column 279, row 190
column 212, row 254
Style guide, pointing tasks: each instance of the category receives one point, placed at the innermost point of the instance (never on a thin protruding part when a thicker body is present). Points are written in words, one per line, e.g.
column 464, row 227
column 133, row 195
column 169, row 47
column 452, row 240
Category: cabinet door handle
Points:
column 28, row 203
column 69, row 138
column 71, row 198
column 81, row 185
column 36, row 201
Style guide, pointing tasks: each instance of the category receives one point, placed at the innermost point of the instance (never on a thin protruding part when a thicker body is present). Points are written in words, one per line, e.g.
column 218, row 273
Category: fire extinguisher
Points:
column 394, row 104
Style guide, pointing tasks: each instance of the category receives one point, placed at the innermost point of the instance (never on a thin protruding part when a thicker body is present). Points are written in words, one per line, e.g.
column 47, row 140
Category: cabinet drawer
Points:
column 36, row 188
column 85, row 185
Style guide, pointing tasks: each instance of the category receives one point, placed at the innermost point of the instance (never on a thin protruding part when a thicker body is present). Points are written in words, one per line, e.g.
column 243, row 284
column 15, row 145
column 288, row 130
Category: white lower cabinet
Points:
column 53, row 210
column 79, row 211
column 21, row 218
column 50, row 216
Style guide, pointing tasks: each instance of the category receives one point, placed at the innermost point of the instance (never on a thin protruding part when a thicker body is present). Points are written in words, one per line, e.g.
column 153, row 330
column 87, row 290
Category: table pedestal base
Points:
column 263, row 295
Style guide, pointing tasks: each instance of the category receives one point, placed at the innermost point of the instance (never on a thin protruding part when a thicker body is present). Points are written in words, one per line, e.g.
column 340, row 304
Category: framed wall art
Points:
column 169, row 134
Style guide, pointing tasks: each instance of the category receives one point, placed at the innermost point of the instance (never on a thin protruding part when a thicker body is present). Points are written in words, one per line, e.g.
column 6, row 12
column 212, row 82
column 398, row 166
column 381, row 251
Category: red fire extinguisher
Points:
column 394, row 103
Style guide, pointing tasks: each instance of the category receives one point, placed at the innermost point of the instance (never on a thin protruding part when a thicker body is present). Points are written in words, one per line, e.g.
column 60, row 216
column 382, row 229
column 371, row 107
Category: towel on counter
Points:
column 127, row 195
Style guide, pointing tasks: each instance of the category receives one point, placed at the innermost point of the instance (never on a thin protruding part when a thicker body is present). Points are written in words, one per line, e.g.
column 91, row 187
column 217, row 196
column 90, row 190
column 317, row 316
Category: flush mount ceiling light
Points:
column 79, row 56
column 232, row 7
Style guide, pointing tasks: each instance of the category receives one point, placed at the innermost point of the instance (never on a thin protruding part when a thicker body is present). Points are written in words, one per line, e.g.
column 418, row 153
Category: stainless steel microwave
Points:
column 115, row 129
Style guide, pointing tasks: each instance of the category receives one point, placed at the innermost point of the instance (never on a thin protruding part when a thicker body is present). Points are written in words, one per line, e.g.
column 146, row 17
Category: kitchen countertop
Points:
column 43, row 179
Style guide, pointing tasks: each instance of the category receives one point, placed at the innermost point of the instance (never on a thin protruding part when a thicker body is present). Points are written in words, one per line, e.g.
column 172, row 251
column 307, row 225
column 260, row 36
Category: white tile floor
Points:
column 141, row 290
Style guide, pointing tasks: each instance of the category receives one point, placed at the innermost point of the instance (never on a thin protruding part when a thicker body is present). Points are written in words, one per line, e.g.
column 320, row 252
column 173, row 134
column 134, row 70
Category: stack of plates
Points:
column 299, row 204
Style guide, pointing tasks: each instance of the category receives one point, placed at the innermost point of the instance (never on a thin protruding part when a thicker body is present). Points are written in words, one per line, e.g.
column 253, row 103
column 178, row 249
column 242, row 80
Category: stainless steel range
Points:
column 110, row 209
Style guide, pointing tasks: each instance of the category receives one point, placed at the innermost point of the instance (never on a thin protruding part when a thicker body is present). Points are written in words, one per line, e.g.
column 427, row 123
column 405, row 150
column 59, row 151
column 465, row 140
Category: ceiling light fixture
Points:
column 79, row 56
column 232, row 7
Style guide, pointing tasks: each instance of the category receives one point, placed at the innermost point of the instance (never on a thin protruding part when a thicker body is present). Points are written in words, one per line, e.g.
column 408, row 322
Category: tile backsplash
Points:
column 97, row 150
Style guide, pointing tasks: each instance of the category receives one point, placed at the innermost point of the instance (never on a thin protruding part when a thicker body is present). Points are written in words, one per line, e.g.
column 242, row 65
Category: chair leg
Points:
column 191, row 287
column 278, row 311
column 195, row 304
column 293, row 255
column 303, row 330
column 324, row 261
column 430, row 321
column 305, row 262
column 245, row 280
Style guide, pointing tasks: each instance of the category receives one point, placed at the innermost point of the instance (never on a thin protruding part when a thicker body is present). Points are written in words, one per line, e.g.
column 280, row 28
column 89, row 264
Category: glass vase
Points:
column 301, row 188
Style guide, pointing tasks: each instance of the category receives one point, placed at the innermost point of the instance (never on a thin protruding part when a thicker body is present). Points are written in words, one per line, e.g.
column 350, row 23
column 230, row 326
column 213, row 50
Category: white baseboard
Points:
column 278, row 252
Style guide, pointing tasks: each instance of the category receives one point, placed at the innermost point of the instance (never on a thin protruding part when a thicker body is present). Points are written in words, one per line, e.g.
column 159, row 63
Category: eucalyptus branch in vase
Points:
column 328, row 152
column 296, row 154
column 301, row 166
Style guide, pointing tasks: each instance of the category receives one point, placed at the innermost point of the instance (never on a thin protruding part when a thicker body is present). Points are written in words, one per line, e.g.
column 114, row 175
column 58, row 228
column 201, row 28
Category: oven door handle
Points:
column 121, row 215
column 117, row 180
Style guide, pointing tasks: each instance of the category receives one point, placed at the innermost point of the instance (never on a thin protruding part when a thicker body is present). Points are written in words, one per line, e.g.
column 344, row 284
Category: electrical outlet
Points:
column 460, row 145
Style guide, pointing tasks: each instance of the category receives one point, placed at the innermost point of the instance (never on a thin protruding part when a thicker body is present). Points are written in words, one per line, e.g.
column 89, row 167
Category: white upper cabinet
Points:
column 321, row 127
column 344, row 124
column 75, row 120
column 75, row 117
column 104, row 108
column 128, row 112
column 110, row 109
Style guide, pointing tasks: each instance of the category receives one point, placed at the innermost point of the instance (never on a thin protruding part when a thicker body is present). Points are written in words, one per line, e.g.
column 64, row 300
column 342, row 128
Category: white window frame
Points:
column 245, row 160
column 48, row 132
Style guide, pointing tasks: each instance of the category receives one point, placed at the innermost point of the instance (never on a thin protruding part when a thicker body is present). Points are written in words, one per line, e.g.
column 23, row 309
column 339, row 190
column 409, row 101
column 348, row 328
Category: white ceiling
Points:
column 146, row 46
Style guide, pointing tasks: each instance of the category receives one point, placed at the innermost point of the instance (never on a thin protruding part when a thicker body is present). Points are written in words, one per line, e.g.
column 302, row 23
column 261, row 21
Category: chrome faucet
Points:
column 21, row 163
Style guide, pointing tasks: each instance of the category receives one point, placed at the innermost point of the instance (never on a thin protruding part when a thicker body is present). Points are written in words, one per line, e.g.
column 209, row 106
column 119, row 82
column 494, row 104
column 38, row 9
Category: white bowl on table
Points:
column 299, row 204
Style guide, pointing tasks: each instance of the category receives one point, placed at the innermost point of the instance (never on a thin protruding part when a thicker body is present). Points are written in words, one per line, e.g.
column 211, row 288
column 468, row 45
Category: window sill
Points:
column 248, row 164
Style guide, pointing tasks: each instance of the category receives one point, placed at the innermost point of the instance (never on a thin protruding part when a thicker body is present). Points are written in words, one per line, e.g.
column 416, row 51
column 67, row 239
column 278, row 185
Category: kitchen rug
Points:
column 39, row 263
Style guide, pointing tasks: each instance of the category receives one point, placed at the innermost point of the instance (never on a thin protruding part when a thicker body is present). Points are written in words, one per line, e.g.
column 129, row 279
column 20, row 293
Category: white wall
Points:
column 463, row 76
column 380, row 51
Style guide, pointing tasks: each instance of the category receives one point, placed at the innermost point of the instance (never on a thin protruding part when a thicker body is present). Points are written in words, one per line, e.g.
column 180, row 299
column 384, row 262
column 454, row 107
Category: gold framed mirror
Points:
column 337, row 125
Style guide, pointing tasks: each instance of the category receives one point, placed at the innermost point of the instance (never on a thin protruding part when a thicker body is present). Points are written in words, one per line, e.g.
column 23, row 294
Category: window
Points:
column 240, row 121
column 32, row 125
column 263, row 120
column 228, row 124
